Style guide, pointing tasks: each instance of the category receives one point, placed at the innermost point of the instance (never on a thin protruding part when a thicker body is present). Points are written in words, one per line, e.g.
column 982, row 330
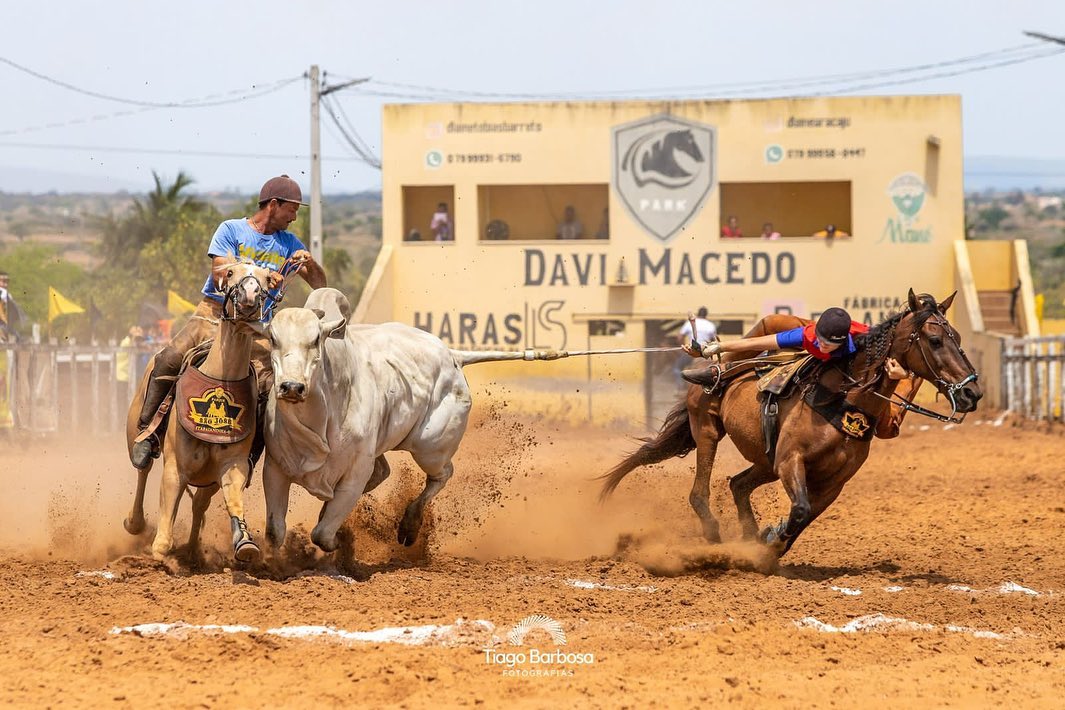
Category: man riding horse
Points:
column 830, row 338
column 262, row 239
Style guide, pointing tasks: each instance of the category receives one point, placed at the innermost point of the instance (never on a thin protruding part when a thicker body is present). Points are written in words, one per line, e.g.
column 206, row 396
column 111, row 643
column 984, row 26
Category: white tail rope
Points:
column 470, row 357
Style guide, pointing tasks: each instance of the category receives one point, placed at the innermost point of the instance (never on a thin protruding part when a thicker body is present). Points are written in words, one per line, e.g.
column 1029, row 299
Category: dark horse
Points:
column 652, row 158
column 813, row 459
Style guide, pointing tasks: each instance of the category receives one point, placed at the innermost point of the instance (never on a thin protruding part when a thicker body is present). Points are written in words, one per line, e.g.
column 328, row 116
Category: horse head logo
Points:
column 663, row 171
column 660, row 157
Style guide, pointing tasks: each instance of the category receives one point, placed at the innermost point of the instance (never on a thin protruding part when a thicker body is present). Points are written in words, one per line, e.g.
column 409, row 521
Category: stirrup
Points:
column 143, row 451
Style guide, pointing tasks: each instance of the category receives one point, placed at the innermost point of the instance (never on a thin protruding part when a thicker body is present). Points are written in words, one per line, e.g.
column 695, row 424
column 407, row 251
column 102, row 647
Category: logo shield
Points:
column 664, row 170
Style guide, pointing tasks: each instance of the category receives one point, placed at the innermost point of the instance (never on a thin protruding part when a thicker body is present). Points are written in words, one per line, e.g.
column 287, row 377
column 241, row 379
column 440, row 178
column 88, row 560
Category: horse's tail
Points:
column 673, row 439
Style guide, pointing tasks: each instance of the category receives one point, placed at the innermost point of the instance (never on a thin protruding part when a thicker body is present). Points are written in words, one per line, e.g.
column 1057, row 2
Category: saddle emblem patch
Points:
column 854, row 424
column 215, row 411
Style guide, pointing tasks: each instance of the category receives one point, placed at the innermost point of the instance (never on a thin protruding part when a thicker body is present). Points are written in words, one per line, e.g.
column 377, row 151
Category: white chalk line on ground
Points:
column 580, row 584
column 878, row 621
column 425, row 635
column 1004, row 588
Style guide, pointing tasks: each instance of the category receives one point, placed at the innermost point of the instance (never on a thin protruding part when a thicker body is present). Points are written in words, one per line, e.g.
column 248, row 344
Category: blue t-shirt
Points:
column 237, row 239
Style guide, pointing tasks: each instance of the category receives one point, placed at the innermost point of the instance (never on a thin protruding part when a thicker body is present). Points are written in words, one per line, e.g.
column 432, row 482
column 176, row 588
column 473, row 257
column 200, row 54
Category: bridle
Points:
column 942, row 384
column 265, row 301
column 229, row 301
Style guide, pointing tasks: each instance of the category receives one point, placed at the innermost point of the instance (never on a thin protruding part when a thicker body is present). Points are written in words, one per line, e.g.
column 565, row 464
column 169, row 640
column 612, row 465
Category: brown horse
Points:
column 187, row 459
column 813, row 459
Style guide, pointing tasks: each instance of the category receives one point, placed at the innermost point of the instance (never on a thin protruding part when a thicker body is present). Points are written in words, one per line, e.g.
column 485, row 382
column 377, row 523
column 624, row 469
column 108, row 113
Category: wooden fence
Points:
column 69, row 389
column 1033, row 370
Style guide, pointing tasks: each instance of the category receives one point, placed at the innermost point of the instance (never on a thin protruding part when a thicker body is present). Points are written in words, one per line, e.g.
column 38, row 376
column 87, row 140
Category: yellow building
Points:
column 652, row 185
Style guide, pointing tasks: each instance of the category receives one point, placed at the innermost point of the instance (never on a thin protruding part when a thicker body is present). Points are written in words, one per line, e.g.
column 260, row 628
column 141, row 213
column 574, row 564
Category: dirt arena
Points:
column 937, row 579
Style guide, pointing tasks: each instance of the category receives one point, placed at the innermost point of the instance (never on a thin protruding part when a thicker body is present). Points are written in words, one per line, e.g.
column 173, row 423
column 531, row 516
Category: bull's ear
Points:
column 318, row 312
column 335, row 328
column 946, row 303
column 914, row 304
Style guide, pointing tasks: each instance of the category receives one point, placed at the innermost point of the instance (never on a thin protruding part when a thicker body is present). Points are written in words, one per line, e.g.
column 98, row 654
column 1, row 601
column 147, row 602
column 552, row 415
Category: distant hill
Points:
column 1005, row 173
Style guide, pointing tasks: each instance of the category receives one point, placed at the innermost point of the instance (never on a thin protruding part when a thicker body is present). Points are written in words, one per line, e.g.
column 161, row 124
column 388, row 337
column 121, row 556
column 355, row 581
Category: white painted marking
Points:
column 894, row 588
column 948, row 427
column 106, row 574
column 872, row 622
column 1004, row 588
column 999, row 419
column 580, row 584
column 1013, row 587
column 407, row 635
column 848, row 592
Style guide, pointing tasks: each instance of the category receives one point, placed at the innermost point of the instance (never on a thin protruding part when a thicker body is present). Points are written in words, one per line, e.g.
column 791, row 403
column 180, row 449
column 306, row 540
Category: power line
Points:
column 190, row 103
column 210, row 100
column 165, row 151
column 1009, row 55
column 353, row 139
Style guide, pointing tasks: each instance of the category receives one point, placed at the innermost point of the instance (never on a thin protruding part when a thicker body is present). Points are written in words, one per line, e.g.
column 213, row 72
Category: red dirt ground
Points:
column 927, row 532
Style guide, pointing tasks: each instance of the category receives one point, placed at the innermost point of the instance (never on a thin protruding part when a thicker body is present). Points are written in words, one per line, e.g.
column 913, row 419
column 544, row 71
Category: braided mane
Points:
column 877, row 342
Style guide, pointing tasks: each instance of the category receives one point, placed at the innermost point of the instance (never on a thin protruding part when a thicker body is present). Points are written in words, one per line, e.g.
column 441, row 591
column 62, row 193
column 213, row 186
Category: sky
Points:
column 153, row 52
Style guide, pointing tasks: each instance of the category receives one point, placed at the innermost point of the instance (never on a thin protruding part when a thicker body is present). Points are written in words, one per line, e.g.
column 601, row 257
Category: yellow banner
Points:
column 60, row 305
column 178, row 305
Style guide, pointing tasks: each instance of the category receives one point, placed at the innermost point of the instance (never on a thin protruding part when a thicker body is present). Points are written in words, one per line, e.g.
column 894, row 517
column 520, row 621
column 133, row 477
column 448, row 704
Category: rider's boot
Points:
column 142, row 452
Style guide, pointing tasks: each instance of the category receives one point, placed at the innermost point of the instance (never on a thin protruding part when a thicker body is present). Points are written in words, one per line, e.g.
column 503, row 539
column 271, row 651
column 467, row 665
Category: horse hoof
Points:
column 247, row 552
column 133, row 527
column 409, row 527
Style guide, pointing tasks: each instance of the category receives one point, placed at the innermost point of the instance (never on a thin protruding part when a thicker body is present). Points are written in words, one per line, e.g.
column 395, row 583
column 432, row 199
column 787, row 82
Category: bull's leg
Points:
column 381, row 471
column 337, row 510
column 742, row 485
column 134, row 522
column 201, row 500
column 412, row 518
column 781, row 537
column 276, row 486
column 234, row 477
column 170, row 488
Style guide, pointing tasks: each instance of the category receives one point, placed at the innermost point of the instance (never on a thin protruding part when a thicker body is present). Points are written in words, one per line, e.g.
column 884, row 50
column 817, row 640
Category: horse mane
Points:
column 877, row 342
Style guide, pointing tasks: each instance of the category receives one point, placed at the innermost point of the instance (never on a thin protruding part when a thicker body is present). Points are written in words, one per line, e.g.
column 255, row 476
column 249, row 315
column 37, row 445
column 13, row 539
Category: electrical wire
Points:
column 207, row 101
column 1008, row 55
column 165, row 151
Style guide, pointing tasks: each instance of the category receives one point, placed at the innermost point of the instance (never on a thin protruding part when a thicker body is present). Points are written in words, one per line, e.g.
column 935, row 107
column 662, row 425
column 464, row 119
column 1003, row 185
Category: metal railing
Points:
column 73, row 389
column 1033, row 370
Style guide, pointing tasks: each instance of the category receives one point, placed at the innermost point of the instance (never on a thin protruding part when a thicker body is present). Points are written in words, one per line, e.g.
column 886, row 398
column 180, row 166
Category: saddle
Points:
column 217, row 411
column 212, row 415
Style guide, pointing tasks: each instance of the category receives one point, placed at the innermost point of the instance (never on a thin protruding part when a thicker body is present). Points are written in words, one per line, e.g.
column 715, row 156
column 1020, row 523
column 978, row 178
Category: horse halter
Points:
column 231, row 299
column 941, row 383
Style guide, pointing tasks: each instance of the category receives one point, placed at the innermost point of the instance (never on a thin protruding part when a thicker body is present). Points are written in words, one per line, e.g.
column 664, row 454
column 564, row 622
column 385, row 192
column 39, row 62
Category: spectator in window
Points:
column 830, row 232
column 570, row 227
column 732, row 229
column 604, row 226
column 768, row 232
column 441, row 225
column 413, row 236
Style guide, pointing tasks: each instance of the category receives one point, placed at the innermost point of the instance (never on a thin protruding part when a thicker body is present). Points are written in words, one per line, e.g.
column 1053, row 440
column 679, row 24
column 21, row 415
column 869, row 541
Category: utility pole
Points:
column 316, row 169
column 317, row 92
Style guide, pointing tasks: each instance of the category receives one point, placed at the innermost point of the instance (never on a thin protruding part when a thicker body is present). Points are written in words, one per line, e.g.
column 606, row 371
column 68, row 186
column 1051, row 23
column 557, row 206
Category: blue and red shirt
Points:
column 805, row 337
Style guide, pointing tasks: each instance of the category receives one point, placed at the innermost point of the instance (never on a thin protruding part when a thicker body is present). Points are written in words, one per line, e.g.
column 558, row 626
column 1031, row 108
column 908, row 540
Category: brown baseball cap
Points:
column 283, row 189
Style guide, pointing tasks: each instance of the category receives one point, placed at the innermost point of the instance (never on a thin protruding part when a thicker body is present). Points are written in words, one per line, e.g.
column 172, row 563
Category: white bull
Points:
column 343, row 395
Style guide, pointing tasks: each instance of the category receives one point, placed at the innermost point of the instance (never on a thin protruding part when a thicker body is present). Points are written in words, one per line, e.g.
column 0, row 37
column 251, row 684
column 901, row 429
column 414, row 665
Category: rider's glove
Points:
column 711, row 349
